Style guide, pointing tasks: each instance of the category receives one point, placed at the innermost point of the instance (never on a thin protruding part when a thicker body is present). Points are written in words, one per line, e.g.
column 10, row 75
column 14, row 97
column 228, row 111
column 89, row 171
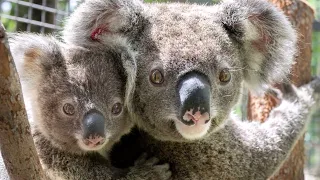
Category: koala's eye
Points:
column 156, row 77
column 224, row 76
column 116, row 109
column 69, row 109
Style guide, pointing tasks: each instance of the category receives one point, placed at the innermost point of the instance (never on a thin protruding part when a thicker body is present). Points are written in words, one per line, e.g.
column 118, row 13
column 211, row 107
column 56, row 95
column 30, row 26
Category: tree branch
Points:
column 16, row 143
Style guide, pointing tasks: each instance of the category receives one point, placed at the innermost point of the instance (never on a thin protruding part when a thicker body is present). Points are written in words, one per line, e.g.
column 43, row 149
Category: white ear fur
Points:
column 27, row 60
column 30, row 52
column 130, row 66
column 255, row 58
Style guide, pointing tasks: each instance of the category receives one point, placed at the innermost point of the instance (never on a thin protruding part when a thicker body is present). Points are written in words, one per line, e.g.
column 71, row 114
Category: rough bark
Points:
column 16, row 143
column 301, row 16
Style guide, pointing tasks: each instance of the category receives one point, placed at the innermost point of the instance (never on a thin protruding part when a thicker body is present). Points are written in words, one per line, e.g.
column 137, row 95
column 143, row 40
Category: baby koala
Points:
column 78, row 105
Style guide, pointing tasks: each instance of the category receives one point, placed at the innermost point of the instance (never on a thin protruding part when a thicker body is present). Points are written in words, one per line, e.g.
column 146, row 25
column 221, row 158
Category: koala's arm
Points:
column 264, row 147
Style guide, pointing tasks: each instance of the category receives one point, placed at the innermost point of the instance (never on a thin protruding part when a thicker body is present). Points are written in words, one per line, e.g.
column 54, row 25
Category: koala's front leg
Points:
column 267, row 145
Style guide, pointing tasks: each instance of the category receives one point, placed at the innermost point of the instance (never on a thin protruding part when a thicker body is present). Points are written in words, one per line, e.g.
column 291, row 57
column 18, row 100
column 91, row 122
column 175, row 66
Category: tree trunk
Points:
column 16, row 143
column 301, row 16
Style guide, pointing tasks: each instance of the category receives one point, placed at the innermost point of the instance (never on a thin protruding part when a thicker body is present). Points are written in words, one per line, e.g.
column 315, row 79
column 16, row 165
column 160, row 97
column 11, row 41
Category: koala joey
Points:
column 192, row 61
column 77, row 102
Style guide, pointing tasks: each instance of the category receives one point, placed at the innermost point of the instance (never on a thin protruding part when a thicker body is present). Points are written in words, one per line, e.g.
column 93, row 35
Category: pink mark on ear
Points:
column 264, row 39
column 96, row 32
column 261, row 44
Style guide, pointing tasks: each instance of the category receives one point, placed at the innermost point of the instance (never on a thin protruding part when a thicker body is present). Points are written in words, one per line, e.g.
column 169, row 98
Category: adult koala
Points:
column 192, row 61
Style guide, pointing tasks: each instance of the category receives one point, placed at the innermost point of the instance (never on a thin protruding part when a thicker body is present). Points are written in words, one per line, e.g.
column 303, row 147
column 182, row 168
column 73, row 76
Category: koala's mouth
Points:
column 193, row 127
column 192, row 117
column 92, row 143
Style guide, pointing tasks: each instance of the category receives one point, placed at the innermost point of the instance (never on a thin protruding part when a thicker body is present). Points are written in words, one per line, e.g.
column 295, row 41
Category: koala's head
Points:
column 192, row 59
column 77, row 96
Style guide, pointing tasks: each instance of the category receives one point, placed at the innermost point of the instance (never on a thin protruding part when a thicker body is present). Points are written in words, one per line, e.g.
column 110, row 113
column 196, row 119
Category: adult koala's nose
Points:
column 93, row 128
column 194, row 92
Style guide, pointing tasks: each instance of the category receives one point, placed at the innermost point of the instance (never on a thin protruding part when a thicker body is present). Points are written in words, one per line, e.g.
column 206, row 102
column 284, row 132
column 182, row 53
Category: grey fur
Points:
column 53, row 73
column 252, row 38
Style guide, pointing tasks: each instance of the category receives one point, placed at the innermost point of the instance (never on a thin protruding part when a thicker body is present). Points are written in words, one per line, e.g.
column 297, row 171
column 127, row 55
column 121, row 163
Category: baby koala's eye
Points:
column 116, row 109
column 68, row 109
column 224, row 76
column 156, row 76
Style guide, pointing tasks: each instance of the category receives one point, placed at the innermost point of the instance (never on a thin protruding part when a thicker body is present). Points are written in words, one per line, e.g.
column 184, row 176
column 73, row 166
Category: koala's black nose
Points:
column 194, row 92
column 93, row 125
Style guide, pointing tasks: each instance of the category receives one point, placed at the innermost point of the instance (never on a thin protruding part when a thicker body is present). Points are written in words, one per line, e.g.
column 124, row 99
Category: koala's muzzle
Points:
column 93, row 128
column 194, row 92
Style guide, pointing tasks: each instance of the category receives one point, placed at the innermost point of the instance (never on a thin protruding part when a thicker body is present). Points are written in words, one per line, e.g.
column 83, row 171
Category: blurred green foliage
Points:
column 312, row 138
column 316, row 5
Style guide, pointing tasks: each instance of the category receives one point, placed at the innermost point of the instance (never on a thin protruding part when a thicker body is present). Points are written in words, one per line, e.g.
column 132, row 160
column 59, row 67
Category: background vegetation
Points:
column 312, row 139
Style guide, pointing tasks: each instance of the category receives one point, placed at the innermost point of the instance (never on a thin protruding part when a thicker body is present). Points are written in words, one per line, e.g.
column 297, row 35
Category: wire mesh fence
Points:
column 42, row 16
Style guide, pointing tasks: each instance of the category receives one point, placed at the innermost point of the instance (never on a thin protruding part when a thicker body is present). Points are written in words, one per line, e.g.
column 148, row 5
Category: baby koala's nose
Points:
column 94, row 127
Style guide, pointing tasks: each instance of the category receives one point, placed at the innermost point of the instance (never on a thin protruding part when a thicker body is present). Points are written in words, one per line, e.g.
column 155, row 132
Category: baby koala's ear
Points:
column 34, row 56
column 266, row 38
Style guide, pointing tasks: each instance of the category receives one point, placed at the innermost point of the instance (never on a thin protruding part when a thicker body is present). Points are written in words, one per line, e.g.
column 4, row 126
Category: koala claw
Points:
column 152, row 161
column 148, row 169
column 315, row 84
column 164, row 170
column 141, row 159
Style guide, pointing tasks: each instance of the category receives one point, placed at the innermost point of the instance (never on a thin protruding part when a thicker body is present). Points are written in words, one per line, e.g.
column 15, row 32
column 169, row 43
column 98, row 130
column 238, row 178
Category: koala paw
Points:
column 315, row 84
column 149, row 169
column 288, row 92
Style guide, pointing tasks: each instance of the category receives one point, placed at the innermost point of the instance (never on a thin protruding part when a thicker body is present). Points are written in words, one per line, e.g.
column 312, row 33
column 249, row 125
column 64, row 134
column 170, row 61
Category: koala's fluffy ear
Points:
column 110, row 18
column 266, row 37
column 33, row 56
column 129, row 64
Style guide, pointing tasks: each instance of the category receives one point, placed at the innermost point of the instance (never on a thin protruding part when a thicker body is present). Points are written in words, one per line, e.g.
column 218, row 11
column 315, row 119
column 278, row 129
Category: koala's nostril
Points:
column 194, row 92
column 93, row 125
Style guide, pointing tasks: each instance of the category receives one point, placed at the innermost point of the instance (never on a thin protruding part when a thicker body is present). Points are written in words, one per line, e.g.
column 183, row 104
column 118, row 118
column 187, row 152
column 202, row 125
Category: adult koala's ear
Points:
column 33, row 56
column 129, row 64
column 266, row 37
column 114, row 19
